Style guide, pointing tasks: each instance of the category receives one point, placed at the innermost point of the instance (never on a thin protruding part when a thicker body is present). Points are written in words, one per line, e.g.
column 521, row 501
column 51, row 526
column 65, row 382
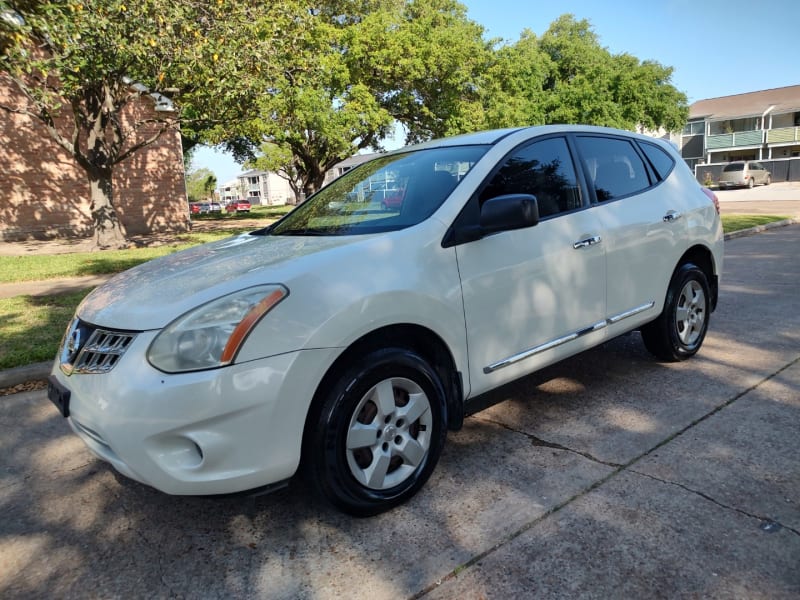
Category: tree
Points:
column 279, row 160
column 513, row 86
column 348, row 69
column 81, row 65
column 588, row 84
column 200, row 184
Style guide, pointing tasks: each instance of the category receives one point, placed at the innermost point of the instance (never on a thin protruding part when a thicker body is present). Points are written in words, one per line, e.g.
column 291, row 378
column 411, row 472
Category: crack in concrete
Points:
column 537, row 441
column 617, row 469
column 705, row 496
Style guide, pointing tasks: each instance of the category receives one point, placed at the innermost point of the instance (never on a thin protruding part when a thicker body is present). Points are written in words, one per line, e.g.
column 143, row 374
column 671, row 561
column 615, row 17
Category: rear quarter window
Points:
column 660, row 160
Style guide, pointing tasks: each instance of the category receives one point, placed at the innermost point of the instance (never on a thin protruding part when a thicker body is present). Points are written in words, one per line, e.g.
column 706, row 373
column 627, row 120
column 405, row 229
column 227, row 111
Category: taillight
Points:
column 712, row 196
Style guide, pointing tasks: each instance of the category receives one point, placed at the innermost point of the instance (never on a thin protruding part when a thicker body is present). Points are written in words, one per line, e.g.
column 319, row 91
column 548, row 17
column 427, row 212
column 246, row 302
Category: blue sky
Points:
column 716, row 47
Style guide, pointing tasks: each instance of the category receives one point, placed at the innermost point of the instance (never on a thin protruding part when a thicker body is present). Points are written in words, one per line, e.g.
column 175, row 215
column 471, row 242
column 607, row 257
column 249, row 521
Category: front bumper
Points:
column 210, row 432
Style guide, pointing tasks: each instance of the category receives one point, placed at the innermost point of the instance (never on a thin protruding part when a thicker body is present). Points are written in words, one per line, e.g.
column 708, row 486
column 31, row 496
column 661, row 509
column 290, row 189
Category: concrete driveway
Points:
column 609, row 475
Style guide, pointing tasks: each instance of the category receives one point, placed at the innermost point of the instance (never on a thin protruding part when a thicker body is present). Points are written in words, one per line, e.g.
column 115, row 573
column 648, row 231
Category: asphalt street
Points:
column 609, row 475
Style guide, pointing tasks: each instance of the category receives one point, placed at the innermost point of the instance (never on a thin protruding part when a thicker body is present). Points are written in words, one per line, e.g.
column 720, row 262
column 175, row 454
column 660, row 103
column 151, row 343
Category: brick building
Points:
column 45, row 194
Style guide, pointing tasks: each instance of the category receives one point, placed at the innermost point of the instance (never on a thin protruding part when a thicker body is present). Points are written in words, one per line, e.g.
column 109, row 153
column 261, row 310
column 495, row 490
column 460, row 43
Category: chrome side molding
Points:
column 515, row 358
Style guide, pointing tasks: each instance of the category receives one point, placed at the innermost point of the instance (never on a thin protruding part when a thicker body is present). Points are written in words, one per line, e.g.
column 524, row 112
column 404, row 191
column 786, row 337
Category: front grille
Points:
column 98, row 354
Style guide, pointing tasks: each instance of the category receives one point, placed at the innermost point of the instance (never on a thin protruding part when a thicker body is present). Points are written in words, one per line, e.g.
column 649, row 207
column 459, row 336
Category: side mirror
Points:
column 512, row 211
column 502, row 213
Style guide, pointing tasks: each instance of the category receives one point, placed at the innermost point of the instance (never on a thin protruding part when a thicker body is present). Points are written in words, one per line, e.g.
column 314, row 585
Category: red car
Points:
column 394, row 200
column 238, row 206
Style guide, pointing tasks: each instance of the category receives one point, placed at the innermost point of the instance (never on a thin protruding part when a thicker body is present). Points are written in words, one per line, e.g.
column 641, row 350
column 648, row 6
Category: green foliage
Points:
column 200, row 184
column 588, row 84
column 297, row 89
column 85, row 61
column 348, row 69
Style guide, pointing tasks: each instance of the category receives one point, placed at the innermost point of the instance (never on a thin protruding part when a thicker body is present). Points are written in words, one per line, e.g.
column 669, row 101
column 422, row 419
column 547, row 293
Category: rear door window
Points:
column 613, row 166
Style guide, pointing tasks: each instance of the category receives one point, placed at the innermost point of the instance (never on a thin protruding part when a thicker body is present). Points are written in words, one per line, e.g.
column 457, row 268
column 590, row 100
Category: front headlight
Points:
column 210, row 335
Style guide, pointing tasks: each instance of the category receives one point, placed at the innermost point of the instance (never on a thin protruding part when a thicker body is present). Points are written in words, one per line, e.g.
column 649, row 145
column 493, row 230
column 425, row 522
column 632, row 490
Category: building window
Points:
column 694, row 128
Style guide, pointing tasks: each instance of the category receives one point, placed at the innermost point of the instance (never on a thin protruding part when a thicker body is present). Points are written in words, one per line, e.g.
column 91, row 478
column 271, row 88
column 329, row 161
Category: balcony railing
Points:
column 737, row 138
column 783, row 134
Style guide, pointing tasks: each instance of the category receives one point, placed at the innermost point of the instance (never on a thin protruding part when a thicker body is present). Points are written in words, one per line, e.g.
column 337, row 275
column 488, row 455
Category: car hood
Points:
column 155, row 293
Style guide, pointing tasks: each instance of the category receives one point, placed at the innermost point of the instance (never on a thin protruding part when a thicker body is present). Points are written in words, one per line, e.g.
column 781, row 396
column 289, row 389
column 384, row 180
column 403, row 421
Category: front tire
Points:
column 378, row 433
column 750, row 183
column 680, row 329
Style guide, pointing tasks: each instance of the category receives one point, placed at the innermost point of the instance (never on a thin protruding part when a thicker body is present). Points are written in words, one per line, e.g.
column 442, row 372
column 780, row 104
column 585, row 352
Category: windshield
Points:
column 385, row 194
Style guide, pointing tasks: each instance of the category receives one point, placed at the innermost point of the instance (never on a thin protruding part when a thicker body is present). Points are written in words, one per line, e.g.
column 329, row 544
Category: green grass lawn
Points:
column 52, row 266
column 736, row 222
column 33, row 326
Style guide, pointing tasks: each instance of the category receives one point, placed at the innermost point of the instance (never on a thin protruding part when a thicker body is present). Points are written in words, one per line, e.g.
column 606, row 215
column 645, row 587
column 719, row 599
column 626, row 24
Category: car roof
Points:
column 493, row 136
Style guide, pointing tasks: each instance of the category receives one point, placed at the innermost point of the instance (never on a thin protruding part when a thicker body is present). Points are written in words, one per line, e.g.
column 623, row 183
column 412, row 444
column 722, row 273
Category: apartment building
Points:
column 763, row 126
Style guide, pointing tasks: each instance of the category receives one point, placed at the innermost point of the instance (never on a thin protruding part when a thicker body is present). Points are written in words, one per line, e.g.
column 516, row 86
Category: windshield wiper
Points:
column 311, row 232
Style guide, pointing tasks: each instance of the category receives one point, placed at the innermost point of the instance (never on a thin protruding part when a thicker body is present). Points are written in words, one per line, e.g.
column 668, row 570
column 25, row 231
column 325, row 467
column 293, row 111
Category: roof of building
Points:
column 355, row 160
column 782, row 100
column 251, row 173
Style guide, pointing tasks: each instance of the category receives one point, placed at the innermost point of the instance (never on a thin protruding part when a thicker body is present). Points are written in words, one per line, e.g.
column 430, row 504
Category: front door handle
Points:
column 590, row 241
column 672, row 216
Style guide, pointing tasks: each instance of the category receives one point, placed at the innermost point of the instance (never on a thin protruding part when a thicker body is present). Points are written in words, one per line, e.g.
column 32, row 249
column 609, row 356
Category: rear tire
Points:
column 378, row 433
column 750, row 183
column 769, row 180
column 680, row 329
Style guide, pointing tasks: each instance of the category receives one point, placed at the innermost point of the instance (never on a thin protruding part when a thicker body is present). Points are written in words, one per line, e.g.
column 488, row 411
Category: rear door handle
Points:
column 672, row 216
column 590, row 241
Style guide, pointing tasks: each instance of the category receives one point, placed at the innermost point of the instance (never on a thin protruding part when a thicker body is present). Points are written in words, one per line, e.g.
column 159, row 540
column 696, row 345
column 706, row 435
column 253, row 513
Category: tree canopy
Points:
column 85, row 62
column 200, row 184
column 298, row 88
column 347, row 70
column 341, row 83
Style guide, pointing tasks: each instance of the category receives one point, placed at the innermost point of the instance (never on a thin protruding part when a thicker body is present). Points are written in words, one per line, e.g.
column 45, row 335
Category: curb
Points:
column 759, row 228
column 18, row 375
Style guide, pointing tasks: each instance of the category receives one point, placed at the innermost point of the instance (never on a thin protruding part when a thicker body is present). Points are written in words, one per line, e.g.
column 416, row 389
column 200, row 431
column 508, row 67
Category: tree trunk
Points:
column 108, row 229
column 315, row 179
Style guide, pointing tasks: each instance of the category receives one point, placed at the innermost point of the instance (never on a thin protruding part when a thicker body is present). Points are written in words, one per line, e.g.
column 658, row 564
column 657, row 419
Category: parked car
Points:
column 194, row 208
column 742, row 173
column 393, row 201
column 238, row 206
column 214, row 207
column 348, row 343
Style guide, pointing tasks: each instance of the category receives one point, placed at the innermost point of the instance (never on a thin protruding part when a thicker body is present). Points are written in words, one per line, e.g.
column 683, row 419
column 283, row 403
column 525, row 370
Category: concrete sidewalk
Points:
column 609, row 475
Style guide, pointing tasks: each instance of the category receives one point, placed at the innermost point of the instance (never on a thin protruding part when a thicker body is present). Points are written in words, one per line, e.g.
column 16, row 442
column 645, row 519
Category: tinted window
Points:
column 613, row 166
column 661, row 161
column 733, row 167
column 543, row 169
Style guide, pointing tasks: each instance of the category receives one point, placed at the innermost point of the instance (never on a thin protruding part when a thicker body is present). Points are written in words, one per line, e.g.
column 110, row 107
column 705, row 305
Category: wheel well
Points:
column 421, row 340
column 702, row 257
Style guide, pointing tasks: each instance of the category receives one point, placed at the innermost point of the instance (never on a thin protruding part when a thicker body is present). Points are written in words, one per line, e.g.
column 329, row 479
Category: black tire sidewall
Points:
column 687, row 273
column 331, row 473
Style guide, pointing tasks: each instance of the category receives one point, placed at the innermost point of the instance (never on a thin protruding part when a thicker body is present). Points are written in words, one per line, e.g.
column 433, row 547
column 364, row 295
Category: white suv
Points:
column 347, row 338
